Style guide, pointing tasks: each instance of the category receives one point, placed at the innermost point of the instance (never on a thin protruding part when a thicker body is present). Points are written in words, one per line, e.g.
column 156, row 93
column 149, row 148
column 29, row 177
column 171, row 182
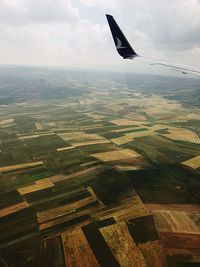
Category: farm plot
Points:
column 193, row 163
column 77, row 250
column 21, row 166
column 51, row 214
column 125, row 210
column 13, row 208
column 124, row 122
column 116, row 155
column 122, row 245
column 174, row 221
column 79, row 136
column 122, row 140
column 181, row 134
column 153, row 254
column 75, row 212
column 38, row 185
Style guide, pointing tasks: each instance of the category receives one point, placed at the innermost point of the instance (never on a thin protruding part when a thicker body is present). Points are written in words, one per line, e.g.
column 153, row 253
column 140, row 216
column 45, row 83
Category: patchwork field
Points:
column 80, row 154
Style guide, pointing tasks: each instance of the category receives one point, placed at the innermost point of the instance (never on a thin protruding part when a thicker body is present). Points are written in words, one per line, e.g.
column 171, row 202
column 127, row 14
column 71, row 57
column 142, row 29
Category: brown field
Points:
column 20, row 166
column 77, row 250
column 178, row 254
column 14, row 208
column 174, row 221
column 38, row 185
column 182, row 135
column 124, row 122
column 122, row 140
column 193, row 162
column 177, row 207
column 183, row 240
column 153, row 254
column 69, row 217
column 54, row 213
column 116, row 155
column 125, row 210
column 122, row 245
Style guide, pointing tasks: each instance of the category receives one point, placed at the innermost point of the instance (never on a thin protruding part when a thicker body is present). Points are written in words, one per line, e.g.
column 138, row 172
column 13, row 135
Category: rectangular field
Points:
column 21, row 166
column 174, row 221
column 122, row 245
column 38, row 185
column 77, row 250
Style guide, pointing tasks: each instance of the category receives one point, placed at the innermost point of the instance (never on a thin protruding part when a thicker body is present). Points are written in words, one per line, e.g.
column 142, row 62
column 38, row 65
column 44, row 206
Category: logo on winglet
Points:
column 119, row 44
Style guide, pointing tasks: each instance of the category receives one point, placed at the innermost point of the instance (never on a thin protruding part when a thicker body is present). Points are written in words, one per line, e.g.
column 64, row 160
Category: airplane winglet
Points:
column 122, row 45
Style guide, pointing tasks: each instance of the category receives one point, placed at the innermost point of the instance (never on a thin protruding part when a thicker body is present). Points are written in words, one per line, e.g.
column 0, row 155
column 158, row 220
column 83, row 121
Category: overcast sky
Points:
column 75, row 34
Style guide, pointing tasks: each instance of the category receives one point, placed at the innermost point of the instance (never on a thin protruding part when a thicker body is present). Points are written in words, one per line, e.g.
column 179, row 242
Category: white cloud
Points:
column 56, row 32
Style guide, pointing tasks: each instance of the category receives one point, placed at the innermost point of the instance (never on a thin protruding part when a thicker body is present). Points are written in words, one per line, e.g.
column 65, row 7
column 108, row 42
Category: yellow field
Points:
column 182, row 135
column 93, row 142
column 51, row 124
column 116, row 155
column 38, row 185
column 135, row 117
column 80, row 136
column 193, row 163
column 77, row 250
column 6, row 121
column 122, row 122
column 21, row 166
column 64, row 148
column 24, row 137
column 128, row 167
column 174, row 221
column 122, row 140
column 156, row 127
column 38, row 126
column 14, row 208
column 140, row 133
column 122, row 245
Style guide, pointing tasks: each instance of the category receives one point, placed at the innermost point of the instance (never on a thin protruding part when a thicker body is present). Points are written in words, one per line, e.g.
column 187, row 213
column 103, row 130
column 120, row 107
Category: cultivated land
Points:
column 80, row 156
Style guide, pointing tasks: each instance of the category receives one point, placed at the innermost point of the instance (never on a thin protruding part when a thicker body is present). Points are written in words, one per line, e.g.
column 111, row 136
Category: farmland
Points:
column 78, row 164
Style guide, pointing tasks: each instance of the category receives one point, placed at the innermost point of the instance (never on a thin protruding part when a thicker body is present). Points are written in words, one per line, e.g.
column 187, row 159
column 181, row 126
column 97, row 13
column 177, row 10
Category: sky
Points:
column 75, row 34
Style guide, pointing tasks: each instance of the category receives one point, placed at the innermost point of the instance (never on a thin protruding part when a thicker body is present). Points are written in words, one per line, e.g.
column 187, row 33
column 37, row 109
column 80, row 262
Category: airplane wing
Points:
column 126, row 51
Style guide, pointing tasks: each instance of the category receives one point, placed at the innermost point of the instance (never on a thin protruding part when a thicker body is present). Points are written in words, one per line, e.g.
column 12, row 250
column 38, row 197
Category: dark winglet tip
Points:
column 109, row 16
